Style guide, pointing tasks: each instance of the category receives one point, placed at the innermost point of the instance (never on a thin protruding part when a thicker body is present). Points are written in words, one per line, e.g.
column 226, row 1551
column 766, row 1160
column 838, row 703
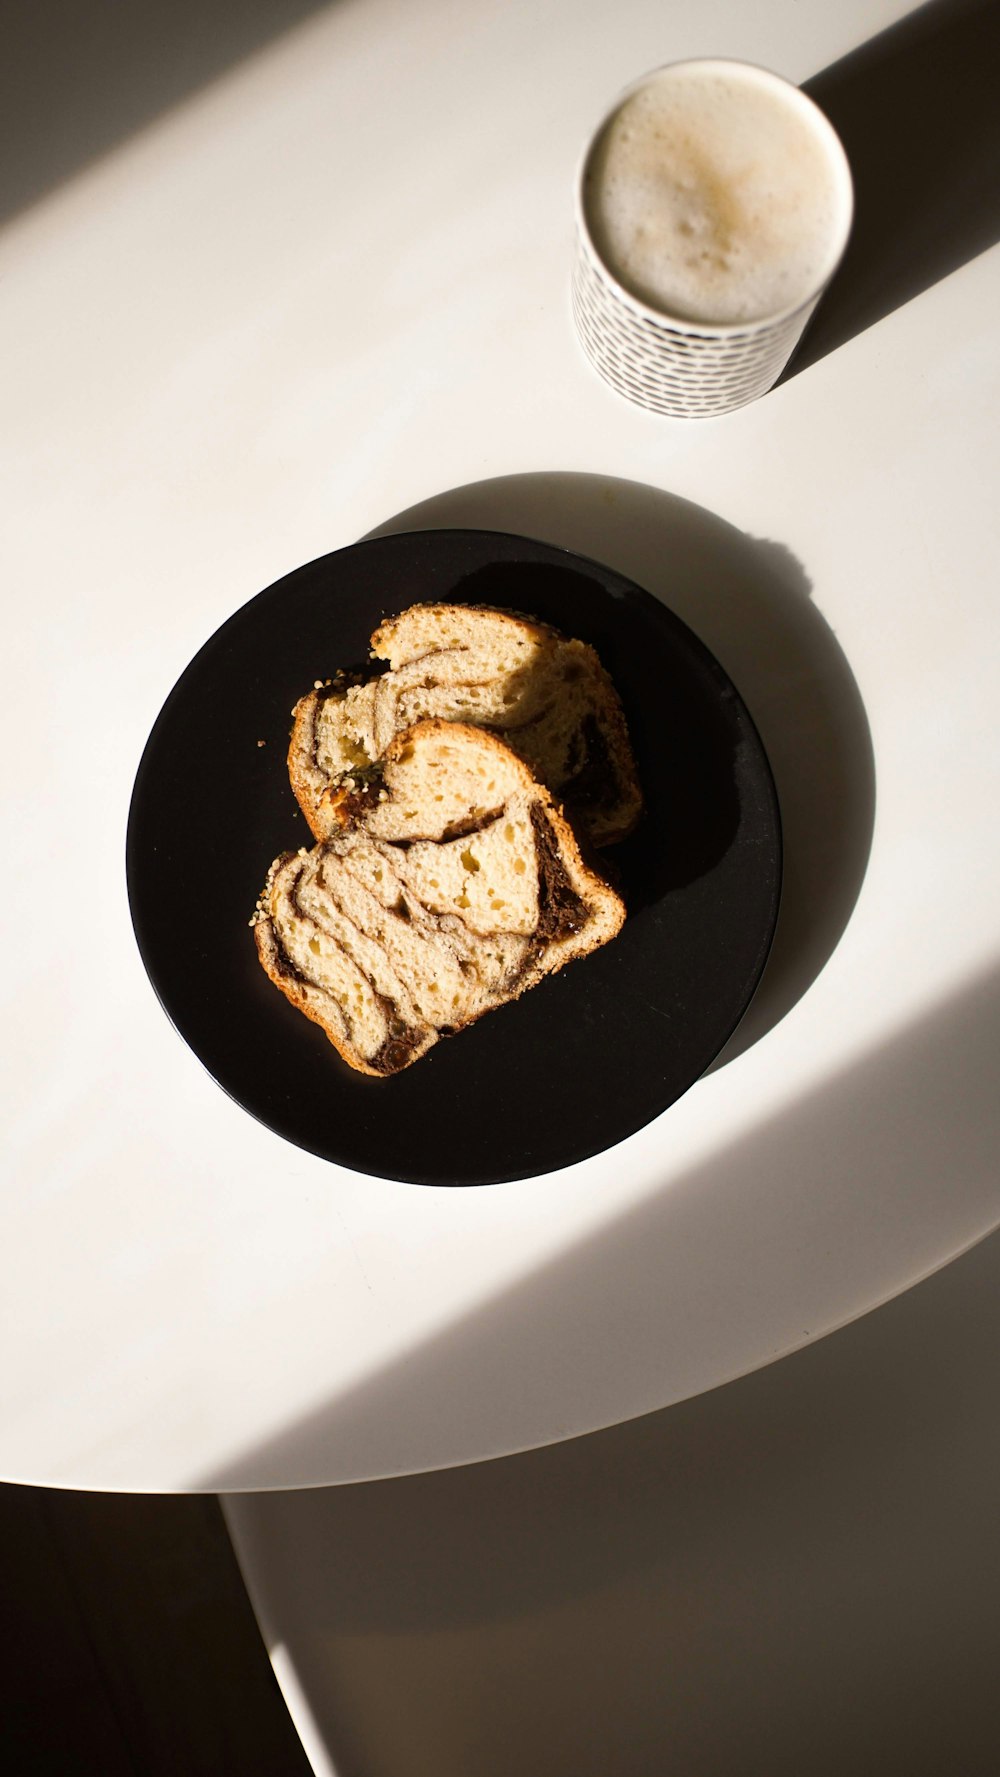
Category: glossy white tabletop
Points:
column 329, row 293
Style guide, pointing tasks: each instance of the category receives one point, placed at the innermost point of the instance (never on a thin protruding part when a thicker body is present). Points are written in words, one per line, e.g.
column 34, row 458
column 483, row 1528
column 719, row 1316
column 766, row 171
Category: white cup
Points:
column 713, row 205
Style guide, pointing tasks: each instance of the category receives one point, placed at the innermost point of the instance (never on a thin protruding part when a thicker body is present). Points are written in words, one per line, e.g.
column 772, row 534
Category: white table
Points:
column 329, row 294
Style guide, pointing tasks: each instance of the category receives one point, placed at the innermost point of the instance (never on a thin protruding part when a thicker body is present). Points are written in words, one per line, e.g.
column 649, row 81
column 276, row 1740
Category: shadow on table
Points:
column 78, row 76
column 749, row 601
column 798, row 1573
column 836, row 1199
column 916, row 109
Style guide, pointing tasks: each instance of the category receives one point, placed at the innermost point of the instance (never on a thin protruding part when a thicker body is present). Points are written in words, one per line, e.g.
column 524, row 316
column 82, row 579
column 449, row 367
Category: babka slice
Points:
column 548, row 697
column 450, row 884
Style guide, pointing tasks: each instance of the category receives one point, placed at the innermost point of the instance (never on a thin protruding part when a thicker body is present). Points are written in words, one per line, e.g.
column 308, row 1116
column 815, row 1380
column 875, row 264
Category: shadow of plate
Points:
column 749, row 600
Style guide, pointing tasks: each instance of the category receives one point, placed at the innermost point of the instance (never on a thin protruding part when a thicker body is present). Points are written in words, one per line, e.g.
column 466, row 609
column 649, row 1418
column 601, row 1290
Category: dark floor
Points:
column 128, row 1645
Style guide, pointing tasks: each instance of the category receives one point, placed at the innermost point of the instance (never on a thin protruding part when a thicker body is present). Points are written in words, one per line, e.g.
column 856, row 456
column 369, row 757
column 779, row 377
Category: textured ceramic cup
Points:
column 662, row 353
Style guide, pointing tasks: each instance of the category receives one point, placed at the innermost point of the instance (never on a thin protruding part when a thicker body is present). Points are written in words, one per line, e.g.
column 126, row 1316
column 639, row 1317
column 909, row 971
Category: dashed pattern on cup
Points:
column 670, row 367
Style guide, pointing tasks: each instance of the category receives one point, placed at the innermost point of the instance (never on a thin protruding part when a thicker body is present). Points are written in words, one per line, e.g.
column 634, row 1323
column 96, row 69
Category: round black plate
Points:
column 581, row 1061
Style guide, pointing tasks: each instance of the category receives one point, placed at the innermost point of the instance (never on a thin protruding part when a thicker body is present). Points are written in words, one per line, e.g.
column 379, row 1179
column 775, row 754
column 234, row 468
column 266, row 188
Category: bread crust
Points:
column 519, row 622
column 308, row 785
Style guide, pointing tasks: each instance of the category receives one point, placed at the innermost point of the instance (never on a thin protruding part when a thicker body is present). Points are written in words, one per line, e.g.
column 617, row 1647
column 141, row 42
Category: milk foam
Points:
column 713, row 196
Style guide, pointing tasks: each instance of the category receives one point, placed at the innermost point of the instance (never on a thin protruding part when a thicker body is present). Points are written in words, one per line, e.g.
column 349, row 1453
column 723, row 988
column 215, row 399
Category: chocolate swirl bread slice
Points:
column 548, row 697
column 450, row 884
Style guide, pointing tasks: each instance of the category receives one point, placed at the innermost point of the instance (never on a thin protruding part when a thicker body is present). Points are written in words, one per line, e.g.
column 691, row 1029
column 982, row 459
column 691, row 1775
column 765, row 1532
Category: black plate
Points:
column 581, row 1061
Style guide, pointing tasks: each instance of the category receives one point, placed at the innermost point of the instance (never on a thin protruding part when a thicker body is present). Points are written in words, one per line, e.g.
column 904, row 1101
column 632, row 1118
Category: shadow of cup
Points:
column 749, row 601
column 916, row 110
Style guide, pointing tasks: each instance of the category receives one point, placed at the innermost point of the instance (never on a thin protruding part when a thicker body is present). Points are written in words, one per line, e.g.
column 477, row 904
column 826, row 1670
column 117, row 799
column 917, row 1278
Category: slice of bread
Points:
column 450, row 884
column 549, row 698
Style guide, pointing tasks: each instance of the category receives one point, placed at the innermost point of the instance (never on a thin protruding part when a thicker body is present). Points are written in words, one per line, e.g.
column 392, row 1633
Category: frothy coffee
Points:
column 717, row 194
